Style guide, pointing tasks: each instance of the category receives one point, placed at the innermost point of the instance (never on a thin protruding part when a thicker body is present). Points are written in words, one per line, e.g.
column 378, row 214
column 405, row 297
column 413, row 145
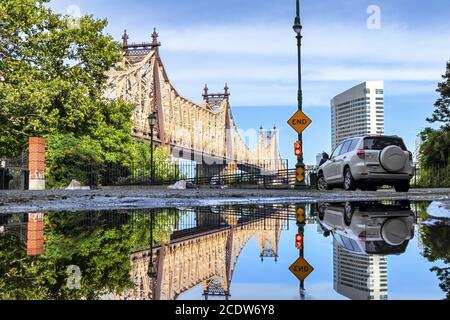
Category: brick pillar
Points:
column 36, row 163
column 35, row 234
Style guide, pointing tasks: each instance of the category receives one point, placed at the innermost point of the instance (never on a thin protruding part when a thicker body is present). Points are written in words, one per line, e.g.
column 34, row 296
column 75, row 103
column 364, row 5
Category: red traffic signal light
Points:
column 298, row 149
column 299, row 241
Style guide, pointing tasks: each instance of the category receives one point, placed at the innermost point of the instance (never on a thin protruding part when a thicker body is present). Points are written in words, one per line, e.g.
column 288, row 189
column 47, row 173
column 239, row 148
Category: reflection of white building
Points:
column 359, row 277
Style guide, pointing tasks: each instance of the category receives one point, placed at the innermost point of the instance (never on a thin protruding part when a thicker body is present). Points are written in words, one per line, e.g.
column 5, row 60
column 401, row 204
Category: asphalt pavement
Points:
column 147, row 198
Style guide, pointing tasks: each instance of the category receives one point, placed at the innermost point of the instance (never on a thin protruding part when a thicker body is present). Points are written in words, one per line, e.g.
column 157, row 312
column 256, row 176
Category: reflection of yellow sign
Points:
column 300, row 174
column 301, row 215
column 301, row 269
column 299, row 122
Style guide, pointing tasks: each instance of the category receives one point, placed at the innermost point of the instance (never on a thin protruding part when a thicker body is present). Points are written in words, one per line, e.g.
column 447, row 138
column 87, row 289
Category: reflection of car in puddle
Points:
column 369, row 227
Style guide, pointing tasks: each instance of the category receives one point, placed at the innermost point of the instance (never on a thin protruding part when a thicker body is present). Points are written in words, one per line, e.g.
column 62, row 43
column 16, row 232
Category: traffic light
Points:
column 300, row 174
column 299, row 241
column 298, row 149
column 301, row 216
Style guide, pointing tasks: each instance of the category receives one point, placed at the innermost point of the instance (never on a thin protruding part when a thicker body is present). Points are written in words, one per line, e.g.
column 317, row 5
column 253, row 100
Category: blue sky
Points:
column 250, row 44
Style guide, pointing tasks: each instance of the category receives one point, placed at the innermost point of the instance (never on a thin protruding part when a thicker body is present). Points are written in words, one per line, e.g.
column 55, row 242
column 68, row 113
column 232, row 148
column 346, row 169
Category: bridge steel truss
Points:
column 206, row 132
column 207, row 258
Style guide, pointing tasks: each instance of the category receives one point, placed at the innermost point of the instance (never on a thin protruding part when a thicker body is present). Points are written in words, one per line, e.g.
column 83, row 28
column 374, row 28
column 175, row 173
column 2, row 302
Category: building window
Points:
column 367, row 91
column 379, row 91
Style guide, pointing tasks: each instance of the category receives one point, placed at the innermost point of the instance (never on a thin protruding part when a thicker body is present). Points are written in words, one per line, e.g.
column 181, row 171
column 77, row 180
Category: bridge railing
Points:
column 167, row 173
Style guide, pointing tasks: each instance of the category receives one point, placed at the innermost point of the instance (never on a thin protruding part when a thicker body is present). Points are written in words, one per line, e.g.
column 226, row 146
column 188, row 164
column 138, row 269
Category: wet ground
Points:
column 141, row 197
column 390, row 249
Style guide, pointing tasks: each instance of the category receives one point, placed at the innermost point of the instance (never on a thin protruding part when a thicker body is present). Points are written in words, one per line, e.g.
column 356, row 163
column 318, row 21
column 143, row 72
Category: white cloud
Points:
column 260, row 61
column 330, row 42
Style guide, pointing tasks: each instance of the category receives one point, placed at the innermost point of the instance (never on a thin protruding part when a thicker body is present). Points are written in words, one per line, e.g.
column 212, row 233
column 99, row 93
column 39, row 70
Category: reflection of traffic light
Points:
column 301, row 216
column 300, row 174
column 298, row 149
column 299, row 241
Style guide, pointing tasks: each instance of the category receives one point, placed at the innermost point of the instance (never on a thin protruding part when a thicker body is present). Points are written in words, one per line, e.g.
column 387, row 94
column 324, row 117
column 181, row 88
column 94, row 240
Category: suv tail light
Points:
column 410, row 156
column 362, row 236
column 361, row 153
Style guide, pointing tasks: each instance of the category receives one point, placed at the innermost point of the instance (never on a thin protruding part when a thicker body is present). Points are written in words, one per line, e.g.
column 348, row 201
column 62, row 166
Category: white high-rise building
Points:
column 357, row 111
column 359, row 277
column 319, row 157
column 419, row 143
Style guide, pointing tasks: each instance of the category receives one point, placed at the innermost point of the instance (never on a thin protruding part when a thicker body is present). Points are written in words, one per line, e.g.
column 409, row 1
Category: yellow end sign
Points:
column 299, row 122
column 301, row 269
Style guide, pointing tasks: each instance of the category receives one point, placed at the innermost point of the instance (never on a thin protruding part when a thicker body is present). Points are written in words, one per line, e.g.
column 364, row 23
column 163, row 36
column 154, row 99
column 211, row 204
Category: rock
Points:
column 190, row 185
column 180, row 185
column 76, row 185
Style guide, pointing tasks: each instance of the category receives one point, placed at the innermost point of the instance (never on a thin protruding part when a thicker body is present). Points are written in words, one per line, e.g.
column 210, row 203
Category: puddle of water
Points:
column 361, row 250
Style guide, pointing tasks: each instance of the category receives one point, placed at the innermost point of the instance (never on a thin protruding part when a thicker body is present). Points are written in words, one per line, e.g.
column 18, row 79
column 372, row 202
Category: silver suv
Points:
column 367, row 162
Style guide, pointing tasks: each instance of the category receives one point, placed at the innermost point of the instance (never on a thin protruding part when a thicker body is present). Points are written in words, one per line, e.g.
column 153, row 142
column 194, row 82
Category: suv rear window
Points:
column 379, row 143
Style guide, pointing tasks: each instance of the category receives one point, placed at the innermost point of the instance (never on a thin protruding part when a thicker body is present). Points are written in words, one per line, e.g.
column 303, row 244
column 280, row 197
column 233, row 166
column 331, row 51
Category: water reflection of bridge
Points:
column 204, row 250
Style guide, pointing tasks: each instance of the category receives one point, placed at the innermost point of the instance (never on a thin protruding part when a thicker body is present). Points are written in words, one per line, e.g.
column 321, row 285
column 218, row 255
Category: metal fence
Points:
column 14, row 172
column 271, row 175
column 432, row 177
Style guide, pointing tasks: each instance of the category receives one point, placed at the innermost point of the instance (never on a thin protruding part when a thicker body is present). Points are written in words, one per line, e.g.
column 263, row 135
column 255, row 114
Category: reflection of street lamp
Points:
column 151, row 266
column 300, row 241
column 298, row 30
column 152, row 123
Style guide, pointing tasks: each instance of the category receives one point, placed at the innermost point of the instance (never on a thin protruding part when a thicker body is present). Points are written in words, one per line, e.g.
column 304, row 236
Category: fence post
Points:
column 36, row 163
column 287, row 173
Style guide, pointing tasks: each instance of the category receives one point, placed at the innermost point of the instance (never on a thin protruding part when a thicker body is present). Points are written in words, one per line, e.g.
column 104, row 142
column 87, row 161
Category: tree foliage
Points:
column 52, row 80
column 100, row 244
column 436, row 249
column 435, row 150
column 442, row 105
column 53, row 75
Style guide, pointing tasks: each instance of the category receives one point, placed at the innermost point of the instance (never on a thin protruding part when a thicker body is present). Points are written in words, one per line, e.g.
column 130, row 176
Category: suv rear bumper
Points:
column 365, row 175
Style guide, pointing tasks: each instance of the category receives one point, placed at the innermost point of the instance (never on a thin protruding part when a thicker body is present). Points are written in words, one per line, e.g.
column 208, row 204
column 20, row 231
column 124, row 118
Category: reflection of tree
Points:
column 99, row 243
column 436, row 248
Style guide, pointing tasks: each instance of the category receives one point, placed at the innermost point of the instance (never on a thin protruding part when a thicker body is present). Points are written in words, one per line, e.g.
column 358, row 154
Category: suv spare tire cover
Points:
column 393, row 158
column 394, row 232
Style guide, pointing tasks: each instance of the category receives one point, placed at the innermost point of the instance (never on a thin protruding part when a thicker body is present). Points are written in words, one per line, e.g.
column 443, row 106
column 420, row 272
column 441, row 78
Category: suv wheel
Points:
column 349, row 181
column 349, row 210
column 402, row 186
column 322, row 184
column 321, row 208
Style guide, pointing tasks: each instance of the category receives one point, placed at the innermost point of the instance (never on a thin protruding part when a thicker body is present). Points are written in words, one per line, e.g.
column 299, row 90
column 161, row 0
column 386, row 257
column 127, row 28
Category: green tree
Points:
column 99, row 243
column 435, row 150
column 436, row 249
column 52, row 80
column 442, row 105
column 52, row 76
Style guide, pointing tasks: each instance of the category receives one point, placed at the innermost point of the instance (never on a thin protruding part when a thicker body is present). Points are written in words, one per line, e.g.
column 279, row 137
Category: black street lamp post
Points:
column 152, row 123
column 298, row 30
